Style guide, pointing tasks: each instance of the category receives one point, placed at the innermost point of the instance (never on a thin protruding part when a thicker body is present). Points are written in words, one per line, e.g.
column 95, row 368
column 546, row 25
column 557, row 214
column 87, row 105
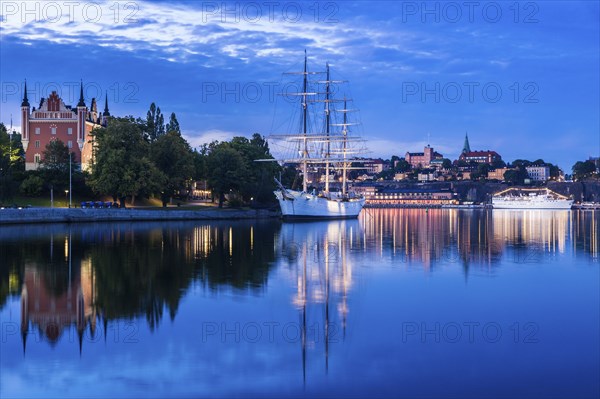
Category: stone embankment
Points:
column 65, row 215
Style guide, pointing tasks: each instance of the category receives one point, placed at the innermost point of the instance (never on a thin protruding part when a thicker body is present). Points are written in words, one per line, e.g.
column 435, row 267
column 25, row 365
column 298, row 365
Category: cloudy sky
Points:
column 522, row 78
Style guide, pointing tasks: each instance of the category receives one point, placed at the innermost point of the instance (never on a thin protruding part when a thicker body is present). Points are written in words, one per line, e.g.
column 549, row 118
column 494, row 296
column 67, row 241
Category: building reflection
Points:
column 482, row 238
column 427, row 237
column 58, row 296
column 81, row 276
column 584, row 232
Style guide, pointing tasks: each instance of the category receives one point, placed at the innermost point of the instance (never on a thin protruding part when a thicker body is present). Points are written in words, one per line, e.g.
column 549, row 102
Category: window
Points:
column 70, row 130
column 37, row 130
column 37, row 144
column 53, row 130
column 70, row 143
column 36, row 158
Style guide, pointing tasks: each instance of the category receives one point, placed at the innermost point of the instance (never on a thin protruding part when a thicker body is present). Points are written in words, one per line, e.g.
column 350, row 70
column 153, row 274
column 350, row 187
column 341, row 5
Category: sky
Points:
column 522, row 78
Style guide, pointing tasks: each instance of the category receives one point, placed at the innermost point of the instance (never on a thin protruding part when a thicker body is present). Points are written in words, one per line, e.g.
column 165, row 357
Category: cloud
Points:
column 196, row 139
column 180, row 30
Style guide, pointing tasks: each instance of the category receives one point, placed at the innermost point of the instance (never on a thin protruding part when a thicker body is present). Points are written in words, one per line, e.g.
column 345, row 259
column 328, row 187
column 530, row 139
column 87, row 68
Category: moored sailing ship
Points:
column 330, row 149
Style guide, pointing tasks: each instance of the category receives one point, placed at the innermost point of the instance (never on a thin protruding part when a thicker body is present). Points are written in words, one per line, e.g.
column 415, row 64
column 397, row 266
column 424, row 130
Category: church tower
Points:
column 466, row 146
column 25, row 119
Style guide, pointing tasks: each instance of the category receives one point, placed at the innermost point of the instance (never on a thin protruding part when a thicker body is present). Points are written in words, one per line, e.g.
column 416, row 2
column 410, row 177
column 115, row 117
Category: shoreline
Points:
column 78, row 215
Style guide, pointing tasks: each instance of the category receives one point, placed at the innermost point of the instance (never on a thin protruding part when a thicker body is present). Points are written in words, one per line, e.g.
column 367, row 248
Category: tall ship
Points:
column 519, row 198
column 323, row 146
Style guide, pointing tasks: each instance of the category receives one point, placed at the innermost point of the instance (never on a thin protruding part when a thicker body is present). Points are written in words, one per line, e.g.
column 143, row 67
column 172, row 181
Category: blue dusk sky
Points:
column 522, row 78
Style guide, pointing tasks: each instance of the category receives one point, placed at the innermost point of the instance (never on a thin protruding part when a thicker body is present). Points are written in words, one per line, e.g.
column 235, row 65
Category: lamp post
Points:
column 66, row 193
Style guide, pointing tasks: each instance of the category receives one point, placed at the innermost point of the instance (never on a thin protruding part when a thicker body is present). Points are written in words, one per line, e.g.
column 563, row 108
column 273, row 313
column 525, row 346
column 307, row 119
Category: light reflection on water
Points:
column 383, row 305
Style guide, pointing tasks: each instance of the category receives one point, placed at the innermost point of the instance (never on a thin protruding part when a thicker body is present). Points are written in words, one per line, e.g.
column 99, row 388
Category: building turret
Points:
column 81, row 102
column 25, row 119
column 25, row 102
column 81, row 116
column 106, row 113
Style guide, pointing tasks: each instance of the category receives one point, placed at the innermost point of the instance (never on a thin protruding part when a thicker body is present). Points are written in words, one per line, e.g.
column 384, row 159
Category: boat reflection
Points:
column 317, row 258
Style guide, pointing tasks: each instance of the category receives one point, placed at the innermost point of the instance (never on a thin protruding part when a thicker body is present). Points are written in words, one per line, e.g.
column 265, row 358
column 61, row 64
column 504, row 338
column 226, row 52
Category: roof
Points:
column 414, row 190
column 480, row 153
column 416, row 154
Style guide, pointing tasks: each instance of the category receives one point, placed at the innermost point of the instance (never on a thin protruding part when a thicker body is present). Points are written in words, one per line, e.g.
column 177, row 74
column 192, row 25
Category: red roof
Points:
column 480, row 153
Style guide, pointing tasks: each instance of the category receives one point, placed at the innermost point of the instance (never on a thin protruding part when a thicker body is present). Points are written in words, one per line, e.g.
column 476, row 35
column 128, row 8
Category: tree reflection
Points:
column 67, row 274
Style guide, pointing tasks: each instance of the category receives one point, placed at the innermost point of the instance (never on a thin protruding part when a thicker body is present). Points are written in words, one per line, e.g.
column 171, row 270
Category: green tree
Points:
column 12, row 163
column 122, row 165
column 173, row 125
column 155, row 122
column 515, row 176
column 583, row 170
column 54, row 166
column 173, row 156
column 227, row 170
column 446, row 163
column 32, row 186
column 498, row 163
column 258, row 182
column 402, row 166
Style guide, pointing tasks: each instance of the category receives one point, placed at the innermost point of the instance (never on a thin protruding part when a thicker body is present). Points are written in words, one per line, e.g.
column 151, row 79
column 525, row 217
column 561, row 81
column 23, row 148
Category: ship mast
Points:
column 304, row 109
column 327, row 118
column 344, row 165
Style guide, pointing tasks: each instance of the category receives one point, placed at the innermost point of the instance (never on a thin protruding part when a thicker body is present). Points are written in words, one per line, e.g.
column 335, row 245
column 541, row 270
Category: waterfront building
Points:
column 467, row 155
column 422, row 159
column 487, row 156
column 400, row 176
column 497, row 174
column 538, row 173
column 411, row 197
column 53, row 120
column 427, row 176
column 375, row 166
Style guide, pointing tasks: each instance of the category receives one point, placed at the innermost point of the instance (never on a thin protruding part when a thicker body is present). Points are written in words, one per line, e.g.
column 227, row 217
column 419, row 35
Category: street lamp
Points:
column 66, row 198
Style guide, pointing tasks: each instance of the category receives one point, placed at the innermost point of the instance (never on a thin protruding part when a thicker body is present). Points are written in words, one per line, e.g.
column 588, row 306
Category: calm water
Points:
column 409, row 303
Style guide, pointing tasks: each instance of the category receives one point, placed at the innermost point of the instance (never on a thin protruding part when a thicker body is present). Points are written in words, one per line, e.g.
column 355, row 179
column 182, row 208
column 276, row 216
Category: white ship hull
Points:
column 531, row 203
column 300, row 205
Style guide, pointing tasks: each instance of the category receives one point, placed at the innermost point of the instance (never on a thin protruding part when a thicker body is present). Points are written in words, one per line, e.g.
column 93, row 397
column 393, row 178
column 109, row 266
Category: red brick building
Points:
column 422, row 159
column 488, row 156
column 53, row 120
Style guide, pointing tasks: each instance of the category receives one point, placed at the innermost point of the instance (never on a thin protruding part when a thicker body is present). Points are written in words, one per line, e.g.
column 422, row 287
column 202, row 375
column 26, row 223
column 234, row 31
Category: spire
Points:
column 81, row 102
column 25, row 102
column 80, row 335
column 24, row 340
column 466, row 146
column 106, row 113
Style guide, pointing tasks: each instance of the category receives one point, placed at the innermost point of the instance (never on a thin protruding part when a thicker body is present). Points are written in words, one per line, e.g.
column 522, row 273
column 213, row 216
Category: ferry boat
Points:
column 515, row 198
column 331, row 149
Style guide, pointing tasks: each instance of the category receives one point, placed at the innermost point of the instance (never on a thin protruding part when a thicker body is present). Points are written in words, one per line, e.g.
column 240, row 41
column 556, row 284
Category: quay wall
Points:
column 76, row 215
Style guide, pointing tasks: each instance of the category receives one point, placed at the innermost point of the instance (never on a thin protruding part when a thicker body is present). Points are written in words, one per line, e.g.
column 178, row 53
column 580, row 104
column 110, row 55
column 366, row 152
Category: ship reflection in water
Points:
column 301, row 308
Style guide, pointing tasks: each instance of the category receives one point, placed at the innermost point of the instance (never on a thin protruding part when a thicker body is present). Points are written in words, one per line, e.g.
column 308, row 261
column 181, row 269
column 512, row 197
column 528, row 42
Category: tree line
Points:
column 135, row 157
